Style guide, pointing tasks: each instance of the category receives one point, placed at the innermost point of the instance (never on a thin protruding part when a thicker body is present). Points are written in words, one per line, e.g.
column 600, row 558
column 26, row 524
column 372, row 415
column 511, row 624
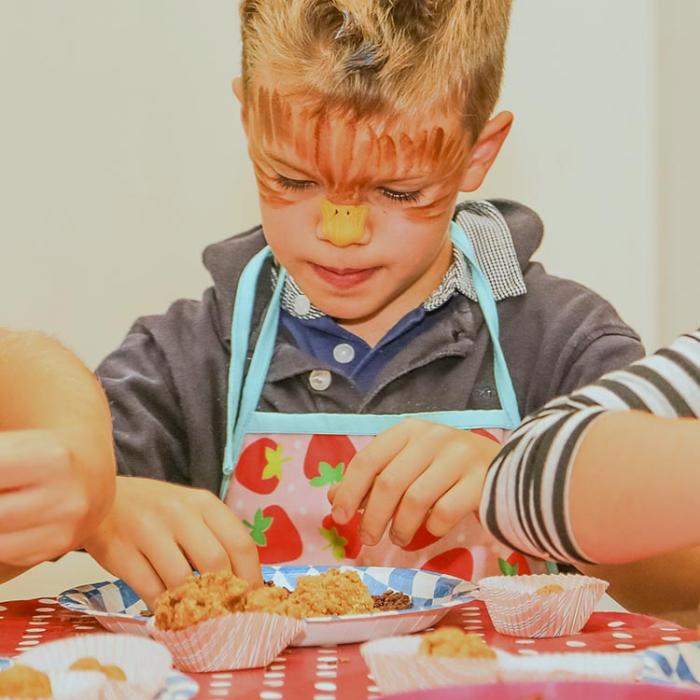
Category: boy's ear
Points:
column 237, row 85
column 485, row 149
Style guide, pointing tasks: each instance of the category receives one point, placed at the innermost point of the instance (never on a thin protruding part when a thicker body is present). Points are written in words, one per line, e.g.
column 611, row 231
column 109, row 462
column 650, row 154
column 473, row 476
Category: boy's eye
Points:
column 290, row 184
column 396, row 196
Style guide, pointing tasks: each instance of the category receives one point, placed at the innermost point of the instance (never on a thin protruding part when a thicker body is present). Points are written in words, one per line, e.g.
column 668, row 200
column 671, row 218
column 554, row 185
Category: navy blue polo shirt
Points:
column 348, row 354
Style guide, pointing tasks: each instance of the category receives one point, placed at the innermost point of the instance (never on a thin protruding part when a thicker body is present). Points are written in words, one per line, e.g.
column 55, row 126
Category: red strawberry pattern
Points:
column 515, row 565
column 277, row 538
column 259, row 467
column 280, row 486
column 454, row 562
column 327, row 458
column 420, row 540
column 343, row 540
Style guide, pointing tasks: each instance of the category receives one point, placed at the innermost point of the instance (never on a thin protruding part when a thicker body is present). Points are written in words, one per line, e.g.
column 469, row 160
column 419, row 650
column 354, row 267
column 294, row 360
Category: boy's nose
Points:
column 344, row 224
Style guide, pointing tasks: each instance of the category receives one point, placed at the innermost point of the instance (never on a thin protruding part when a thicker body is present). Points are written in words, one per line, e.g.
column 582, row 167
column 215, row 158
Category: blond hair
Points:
column 370, row 55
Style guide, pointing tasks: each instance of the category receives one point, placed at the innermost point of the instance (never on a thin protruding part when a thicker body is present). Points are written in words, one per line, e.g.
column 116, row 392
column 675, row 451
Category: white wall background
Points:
column 121, row 155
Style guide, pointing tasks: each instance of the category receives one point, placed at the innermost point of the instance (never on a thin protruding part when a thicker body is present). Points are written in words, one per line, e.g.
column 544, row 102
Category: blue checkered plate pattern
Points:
column 678, row 664
column 119, row 609
column 177, row 685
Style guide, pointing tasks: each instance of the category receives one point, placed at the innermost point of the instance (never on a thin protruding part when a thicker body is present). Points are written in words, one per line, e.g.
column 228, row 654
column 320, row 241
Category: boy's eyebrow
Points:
column 281, row 161
column 417, row 178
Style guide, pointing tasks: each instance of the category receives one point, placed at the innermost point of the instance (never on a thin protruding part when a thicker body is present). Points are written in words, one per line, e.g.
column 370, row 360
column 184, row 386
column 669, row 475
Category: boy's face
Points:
column 407, row 172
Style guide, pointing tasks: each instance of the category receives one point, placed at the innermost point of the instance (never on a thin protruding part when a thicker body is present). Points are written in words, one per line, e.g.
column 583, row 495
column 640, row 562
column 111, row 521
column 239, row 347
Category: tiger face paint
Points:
column 393, row 180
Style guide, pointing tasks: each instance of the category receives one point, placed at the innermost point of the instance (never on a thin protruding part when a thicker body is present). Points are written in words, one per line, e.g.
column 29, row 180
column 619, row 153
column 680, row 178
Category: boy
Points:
column 56, row 458
column 364, row 119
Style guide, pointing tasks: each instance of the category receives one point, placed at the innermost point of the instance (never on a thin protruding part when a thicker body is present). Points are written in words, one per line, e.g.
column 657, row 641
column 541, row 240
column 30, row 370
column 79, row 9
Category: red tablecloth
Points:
column 338, row 672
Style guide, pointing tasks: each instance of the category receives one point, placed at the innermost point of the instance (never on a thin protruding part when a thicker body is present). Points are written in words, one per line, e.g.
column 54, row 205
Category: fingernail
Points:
column 339, row 515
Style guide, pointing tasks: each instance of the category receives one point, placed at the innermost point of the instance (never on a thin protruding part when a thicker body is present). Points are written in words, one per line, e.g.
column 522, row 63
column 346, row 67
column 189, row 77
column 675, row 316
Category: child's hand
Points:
column 44, row 500
column 158, row 532
column 413, row 472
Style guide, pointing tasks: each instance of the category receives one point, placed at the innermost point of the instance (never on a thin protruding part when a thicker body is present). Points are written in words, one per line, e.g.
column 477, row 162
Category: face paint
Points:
column 349, row 160
column 357, row 210
column 343, row 225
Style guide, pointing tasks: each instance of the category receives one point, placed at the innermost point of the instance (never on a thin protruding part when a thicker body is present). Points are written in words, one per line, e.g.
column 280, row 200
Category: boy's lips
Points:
column 343, row 278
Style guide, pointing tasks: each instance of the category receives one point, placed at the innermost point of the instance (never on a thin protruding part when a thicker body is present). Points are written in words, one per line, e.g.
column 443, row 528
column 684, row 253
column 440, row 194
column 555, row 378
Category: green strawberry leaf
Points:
column 328, row 474
column 336, row 542
column 274, row 460
column 551, row 567
column 507, row 569
column 257, row 530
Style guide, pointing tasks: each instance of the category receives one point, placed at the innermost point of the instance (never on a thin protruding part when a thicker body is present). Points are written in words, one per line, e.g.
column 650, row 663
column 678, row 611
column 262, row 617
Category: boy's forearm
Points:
column 46, row 387
column 635, row 487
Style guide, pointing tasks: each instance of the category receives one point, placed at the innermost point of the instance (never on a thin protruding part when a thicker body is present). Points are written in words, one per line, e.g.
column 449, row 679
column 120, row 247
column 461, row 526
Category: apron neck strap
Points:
column 245, row 389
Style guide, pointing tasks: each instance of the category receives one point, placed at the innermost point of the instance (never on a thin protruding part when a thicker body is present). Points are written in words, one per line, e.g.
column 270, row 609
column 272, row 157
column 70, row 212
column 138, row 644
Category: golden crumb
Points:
column 200, row 598
column 88, row 663
column 267, row 599
column 215, row 595
column 549, row 589
column 331, row 593
column 24, row 682
column 452, row 641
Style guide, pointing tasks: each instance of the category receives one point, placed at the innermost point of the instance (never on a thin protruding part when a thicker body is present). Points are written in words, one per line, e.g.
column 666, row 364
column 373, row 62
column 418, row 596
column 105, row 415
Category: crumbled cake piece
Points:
column 549, row 589
column 392, row 600
column 209, row 596
column 331, row 593
column 88, row 663
column 200, row 598
column 24, row 682
column 452, row 641
column 266, row 599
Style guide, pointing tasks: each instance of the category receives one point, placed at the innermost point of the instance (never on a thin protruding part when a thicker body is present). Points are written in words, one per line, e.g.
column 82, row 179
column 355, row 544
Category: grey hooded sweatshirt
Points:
column 167, row 382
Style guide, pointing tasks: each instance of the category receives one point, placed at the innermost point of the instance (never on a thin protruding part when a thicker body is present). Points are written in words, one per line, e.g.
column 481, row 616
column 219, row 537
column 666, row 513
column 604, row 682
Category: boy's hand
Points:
column 44, row 501
column 413, row 472
column 158, row 532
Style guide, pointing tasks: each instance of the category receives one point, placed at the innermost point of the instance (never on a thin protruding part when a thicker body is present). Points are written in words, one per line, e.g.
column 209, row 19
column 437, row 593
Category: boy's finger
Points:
column 463, row 498
column 133, row 567
column 422, row 495
column 391, row 486
column 362, row 470
column 203, row 549
column 236, row 540
column 162, row 552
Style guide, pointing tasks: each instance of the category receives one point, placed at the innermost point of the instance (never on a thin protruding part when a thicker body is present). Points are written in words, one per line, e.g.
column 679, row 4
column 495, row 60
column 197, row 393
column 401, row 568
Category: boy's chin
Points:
column 348, row 310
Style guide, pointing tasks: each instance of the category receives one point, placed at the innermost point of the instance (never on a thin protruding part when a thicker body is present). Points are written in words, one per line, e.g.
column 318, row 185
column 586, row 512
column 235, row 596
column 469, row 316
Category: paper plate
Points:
column 678, row 664
column 118, row 608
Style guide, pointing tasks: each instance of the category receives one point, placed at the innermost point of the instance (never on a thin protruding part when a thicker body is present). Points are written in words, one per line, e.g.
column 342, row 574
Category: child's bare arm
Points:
column 56, row 458
column 635, row 487
column 156, row 533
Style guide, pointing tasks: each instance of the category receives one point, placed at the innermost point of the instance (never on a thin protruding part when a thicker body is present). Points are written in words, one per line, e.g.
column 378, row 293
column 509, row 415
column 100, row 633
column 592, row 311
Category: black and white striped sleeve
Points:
column 525, row 498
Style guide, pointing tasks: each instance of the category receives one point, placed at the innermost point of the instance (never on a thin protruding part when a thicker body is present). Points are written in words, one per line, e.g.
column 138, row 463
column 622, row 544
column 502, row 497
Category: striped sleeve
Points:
column 525, row 498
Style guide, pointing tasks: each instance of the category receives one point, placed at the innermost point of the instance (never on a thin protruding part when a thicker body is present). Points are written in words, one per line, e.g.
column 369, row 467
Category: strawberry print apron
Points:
column 278, row 467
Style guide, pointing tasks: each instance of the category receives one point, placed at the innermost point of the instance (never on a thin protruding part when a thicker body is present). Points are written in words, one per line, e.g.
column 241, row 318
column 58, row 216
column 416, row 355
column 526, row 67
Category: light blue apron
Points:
column 278, row 466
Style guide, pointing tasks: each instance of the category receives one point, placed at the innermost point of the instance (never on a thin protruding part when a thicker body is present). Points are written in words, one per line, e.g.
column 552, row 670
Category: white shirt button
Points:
column 302, row 305
column 343, row 353
column 320, row 379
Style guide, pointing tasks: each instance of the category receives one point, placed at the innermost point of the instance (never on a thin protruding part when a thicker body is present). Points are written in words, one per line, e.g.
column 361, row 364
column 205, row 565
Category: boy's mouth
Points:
column 343, row 278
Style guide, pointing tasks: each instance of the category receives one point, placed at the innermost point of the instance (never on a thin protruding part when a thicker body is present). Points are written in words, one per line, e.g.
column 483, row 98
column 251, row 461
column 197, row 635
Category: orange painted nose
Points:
column 343, row 224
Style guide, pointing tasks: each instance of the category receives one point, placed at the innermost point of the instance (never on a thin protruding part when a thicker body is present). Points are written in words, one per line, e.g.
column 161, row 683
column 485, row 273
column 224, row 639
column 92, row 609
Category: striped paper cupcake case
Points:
column 229, row 643
column 545, row 605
